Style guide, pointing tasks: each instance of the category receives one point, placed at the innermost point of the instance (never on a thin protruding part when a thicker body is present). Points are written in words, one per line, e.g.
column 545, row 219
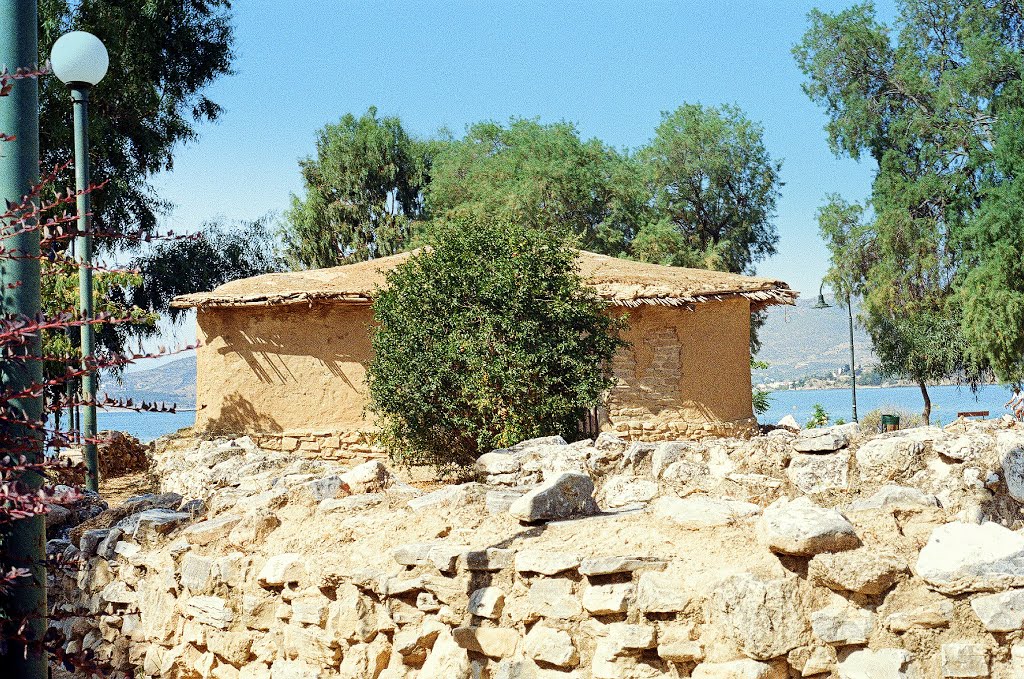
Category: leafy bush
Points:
column 487, row 338
column 820, row 418
column 761, row 398
column 872, row 421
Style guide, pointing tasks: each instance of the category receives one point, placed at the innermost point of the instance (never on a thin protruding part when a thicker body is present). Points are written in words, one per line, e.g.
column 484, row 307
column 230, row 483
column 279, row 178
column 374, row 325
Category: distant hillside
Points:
column 800, row 341
column 173, row 382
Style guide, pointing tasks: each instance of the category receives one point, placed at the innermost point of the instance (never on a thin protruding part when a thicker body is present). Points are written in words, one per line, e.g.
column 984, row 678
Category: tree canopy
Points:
column 363, row 190
column 164, row 54
column 923, row 99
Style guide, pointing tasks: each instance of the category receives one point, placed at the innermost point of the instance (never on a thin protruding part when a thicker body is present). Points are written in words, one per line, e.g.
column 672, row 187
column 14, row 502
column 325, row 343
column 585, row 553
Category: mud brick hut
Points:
column 284, row 356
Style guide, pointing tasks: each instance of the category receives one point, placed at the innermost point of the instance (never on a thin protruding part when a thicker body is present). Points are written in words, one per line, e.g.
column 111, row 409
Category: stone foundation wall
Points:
column 348, row 446
column 821, row 554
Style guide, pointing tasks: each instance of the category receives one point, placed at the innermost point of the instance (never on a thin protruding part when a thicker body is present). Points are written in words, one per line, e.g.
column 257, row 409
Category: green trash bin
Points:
column 890, row 422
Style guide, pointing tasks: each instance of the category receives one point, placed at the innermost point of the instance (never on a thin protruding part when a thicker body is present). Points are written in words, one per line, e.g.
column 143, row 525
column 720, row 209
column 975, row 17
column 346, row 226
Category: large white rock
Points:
column 815, row 473
column 766, row 619
column 967, row 557
column 608, row 599
column 552, row 646
column 803, row 528
column 884, row 663
column 820, row 440
column 890, row 458
column 369, row 477
column 1003, row 612
column 842, row 625
column 625, row 491
column 865, row 570
column 282, row 569
column 545, row 562
column 701, row 511
column 565, row 496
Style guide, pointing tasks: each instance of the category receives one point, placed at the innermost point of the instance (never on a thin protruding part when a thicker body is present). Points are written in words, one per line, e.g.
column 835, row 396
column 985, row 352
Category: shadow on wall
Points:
column 238, row 416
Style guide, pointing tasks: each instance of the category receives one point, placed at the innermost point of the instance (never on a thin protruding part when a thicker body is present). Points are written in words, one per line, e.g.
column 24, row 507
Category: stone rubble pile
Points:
column 823, row 553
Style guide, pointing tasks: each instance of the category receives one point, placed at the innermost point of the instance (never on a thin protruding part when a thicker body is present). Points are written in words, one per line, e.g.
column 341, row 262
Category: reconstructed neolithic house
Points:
column 284, row 356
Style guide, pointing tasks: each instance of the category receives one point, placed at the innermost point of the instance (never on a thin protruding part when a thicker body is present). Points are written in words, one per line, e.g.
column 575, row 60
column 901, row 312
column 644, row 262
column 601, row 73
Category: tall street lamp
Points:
column 80, row 60
column 822, row 304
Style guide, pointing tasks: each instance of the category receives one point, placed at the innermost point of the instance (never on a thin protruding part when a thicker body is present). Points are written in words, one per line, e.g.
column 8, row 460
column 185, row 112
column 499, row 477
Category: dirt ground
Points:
column 117, row 490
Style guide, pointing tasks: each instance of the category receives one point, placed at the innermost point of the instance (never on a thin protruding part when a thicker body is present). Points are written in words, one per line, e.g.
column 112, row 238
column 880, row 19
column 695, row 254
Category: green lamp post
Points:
column 25, row 544
column 80, row 60
column 822, row 304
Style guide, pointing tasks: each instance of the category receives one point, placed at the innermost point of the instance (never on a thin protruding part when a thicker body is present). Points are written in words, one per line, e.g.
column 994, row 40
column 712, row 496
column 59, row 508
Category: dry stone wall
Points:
column 825, row 554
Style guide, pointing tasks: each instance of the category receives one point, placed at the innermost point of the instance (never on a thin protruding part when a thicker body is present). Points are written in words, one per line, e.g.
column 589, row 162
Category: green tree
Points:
column 363, row 191
column 225, row 252
column 992, row 292
column 714, row 187
column 921, row 105
column 488, row 338
column 163, row 56
column 541, row 175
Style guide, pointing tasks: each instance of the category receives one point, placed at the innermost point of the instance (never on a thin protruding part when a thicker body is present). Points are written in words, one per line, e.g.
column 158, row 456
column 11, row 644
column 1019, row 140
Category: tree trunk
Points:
column 927, row 412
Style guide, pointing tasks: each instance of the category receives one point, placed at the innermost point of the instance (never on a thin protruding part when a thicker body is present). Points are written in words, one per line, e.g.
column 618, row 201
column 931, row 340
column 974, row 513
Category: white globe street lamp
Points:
column 80, row 61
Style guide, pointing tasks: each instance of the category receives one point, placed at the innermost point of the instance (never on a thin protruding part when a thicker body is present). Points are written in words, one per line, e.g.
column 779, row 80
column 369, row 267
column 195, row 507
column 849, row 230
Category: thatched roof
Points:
column 620, row 281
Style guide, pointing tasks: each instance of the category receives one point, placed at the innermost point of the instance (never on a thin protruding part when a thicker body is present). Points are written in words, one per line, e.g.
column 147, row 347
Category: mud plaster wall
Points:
column 685, row 375
column 294, row 376
column 295, row 371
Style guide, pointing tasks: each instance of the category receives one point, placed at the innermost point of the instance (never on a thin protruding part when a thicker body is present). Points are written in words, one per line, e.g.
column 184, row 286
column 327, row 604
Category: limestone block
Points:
column 310, row 608
column 816, row 473
column 490, row 559
column 414, row 643
column 608, row 599
column 625, row 638
column 627, row 491
column 413, row 554
column 282, row 569
column 888, row 459
column 964, row 660
column 494, row 642
column 812, row 660
column 822, row 440
column 552, row 598
column 803, row 528
column 738, row 669
column 351, row 616
column 152, row 524
column 446, row 659
column 487, row 602
column 1003, row 612
column 197, row 573
column 766, row 619
column 551, row 646
column 606, row 565
column 293, row 669
column 675, row 644
column 963, row 557
column 884, row 663
column 842, row 625
column 662, row 592
column 234, row 646
column 498, row 462
column 310, row 644
column 565, row 496
column 499, row 501
column 892, row 496
column 865, row 570
column 211, row 530
column 545, row 562
column 696, row 512
column 210, row 610
column 938, row 613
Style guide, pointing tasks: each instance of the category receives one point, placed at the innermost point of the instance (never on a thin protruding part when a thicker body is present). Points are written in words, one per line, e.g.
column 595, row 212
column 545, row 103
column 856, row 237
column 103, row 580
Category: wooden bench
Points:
column 973, row 413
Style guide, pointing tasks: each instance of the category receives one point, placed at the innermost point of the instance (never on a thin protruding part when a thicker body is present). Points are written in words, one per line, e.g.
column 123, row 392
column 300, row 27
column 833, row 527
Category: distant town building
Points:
column 284, row 356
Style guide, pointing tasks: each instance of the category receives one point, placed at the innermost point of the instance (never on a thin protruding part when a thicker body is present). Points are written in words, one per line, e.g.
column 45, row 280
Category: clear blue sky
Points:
column 609, row 67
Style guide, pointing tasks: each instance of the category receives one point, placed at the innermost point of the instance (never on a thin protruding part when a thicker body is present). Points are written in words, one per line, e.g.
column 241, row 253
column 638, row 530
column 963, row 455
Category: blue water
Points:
column 143, row 426
column 946, row 402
